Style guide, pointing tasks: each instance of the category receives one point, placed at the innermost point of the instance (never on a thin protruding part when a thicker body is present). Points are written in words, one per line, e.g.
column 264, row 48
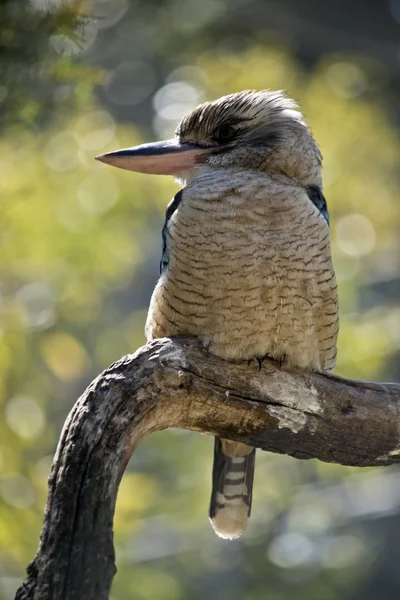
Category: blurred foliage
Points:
column 78, row 261
column 38, row 73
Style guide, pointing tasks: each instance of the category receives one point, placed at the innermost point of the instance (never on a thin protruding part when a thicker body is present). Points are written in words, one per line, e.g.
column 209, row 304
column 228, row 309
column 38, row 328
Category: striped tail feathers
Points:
column 232, row 487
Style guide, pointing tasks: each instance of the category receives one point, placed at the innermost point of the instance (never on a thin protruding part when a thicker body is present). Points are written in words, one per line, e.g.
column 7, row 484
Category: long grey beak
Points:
column 160, row 158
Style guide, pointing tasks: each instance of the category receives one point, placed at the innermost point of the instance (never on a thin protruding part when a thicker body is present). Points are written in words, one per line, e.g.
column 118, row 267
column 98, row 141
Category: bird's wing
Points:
column 171, row 208
column 317, row 198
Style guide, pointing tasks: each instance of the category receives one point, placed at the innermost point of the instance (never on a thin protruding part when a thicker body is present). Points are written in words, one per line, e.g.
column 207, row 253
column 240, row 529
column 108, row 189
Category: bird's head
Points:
column 261, row 131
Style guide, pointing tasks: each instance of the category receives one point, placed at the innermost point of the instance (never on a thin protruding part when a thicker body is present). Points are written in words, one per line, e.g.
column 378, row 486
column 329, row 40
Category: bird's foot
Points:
column 258, row 360
column 281, row 360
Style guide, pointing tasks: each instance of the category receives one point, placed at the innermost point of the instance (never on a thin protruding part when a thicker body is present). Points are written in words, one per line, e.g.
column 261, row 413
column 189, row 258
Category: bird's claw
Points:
column 258, row 359
column 281, row 360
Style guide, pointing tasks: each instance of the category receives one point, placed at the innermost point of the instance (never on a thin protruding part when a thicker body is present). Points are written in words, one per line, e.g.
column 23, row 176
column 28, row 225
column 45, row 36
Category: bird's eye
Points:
column 224, row 134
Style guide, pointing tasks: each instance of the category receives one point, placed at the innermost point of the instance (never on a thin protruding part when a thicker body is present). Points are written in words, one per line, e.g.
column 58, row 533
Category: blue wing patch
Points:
column 171, row 208
column 317, row 198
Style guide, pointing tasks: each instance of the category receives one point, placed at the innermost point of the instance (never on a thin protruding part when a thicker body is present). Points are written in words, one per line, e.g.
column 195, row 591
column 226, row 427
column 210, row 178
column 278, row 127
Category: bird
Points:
column 246, row 262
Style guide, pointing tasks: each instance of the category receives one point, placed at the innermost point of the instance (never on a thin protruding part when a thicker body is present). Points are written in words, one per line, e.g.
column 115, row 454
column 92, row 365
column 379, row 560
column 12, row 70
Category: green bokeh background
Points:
column 79, row 254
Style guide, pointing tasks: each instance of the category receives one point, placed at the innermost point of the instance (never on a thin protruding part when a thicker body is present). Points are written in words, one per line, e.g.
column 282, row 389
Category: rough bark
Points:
column 177, row 383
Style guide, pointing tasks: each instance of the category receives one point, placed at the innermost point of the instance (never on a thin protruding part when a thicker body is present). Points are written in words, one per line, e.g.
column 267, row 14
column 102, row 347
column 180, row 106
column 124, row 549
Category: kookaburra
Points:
column 246, row 262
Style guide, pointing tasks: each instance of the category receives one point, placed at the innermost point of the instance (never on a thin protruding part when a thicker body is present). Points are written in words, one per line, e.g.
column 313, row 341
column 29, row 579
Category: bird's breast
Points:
column 250, row 274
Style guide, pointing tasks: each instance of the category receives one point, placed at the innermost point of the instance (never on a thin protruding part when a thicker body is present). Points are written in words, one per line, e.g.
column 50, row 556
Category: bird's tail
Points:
column 232, row 487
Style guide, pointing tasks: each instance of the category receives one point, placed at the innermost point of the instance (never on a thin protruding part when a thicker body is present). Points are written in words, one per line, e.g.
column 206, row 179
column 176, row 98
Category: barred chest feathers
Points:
column 247, row 268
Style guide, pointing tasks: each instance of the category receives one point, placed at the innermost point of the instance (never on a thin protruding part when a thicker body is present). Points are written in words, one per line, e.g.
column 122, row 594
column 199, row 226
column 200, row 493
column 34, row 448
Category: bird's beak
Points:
column 160, row 158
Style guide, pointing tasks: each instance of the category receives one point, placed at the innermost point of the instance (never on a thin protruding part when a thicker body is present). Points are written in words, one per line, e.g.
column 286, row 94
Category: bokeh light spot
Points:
column 95, row 129
column 355, row 235
column 346, row 79
column 25, row 417
column 175, row 99
column 171, row 103
column 64, row 356
column 290, row 550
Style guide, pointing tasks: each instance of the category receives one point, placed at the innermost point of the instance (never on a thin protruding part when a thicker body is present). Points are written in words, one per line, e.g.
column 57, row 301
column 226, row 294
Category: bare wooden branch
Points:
column 177, row 383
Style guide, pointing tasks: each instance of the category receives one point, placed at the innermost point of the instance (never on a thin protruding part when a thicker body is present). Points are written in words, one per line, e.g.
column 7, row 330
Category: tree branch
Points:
column 175, row 382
